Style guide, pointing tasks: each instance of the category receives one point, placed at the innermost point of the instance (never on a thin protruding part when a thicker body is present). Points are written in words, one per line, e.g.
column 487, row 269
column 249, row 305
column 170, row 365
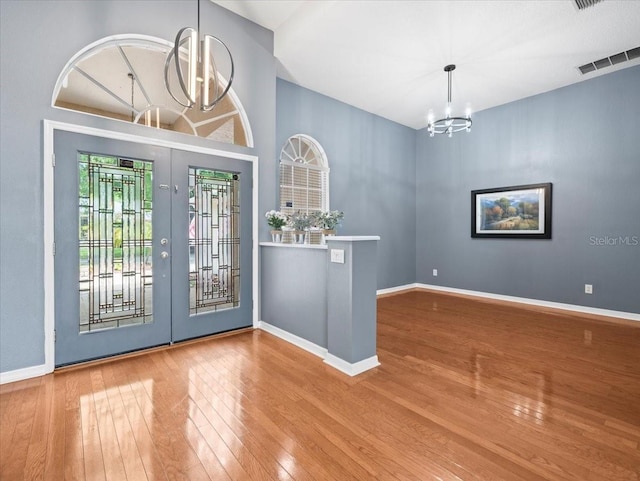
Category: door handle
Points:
column 164, row 254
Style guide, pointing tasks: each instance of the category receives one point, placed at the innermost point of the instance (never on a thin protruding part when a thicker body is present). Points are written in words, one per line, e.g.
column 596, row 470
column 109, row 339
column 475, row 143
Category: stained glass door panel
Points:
column 214, row 240
column 115, row 241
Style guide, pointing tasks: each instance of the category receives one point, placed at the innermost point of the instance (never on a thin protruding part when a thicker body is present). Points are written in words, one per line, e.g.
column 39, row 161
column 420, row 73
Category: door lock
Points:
column 164, row 254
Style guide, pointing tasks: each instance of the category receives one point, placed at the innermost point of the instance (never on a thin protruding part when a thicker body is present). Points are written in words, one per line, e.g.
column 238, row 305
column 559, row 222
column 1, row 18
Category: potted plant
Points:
column 327, row 221
column 300, row 223
column 276, row 221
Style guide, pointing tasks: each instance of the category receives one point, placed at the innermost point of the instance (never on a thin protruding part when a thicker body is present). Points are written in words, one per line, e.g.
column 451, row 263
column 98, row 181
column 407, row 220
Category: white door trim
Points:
column 49, row 128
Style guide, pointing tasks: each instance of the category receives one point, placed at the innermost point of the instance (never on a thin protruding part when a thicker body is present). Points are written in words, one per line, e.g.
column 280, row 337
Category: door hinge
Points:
column 54, row 336
column 53, row 250
column 53, row 160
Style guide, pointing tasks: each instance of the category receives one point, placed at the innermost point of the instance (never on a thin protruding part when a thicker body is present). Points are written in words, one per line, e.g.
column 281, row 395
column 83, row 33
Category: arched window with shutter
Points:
column 304, row 177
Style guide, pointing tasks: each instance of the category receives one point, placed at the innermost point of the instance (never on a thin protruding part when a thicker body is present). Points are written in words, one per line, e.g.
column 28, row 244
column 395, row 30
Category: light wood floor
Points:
column 467, row 390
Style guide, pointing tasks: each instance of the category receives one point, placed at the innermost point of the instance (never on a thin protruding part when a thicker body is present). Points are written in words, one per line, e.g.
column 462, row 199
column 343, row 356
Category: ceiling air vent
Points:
column 608, row 61
column 582, row 4
column 633, row 53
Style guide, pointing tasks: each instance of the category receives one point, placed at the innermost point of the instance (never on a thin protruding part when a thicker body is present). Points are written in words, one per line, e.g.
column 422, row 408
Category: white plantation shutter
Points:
column 304, row 176
column 302, row 188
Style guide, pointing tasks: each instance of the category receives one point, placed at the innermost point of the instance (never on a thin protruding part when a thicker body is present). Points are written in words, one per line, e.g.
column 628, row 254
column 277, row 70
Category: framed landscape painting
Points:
column 518, row 212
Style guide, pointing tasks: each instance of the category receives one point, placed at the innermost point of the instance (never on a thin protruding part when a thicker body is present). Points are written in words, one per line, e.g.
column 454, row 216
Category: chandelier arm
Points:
column 450, row 124
column 215, row 73
column 210, row 66
column 190, row 52
column 166, row 79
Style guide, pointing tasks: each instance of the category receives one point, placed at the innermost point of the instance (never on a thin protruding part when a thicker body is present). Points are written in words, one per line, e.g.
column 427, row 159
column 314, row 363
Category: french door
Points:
column 152, row 246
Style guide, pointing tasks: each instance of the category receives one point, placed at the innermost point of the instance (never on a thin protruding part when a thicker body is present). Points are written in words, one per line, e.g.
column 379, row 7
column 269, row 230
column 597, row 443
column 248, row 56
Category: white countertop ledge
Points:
column 353, row 238
column 294, row 246
column 337, row 238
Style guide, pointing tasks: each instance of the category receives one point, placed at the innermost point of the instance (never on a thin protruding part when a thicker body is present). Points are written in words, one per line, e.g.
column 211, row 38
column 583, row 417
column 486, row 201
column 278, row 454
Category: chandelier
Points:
column 198, row 82
column 449, row 124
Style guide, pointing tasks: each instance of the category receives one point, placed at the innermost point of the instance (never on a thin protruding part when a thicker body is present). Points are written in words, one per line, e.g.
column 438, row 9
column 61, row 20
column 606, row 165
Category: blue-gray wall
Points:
column 37, row 40
column 372, row 162
column 585, row 139
column 293, row 291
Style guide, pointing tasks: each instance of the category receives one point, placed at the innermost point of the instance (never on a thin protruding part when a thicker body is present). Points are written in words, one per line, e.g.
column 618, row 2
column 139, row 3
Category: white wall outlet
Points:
column 435, row 273
column 588, row 289
column 337, row 256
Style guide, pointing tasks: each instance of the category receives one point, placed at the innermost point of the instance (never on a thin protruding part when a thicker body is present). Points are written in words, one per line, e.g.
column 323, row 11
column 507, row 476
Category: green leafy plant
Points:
column 276, row 219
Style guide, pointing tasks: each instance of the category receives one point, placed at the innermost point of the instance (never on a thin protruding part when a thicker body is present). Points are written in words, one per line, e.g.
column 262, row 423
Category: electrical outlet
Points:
column 588, row 289
column 435, row 273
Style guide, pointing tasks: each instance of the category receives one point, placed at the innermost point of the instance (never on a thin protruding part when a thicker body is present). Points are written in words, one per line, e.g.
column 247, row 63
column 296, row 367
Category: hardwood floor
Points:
column 467, row 390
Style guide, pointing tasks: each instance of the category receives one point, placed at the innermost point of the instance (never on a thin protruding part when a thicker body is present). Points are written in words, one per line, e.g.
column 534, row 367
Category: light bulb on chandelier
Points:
column 449, row 125
column 201, row 84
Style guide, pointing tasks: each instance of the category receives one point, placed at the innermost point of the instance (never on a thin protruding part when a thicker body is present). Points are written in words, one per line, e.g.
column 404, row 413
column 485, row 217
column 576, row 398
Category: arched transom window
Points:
column 122, row 77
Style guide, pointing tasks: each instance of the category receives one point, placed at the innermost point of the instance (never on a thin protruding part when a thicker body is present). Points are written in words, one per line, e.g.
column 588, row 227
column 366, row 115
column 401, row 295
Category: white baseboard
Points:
column 333, row 361
column 293, row 339
column 522, row 300
column 351, row 369
column 397, row 289
column 24, row 373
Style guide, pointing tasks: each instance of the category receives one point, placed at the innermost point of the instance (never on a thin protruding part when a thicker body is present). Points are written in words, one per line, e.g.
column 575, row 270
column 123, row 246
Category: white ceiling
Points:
column 387, row 57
